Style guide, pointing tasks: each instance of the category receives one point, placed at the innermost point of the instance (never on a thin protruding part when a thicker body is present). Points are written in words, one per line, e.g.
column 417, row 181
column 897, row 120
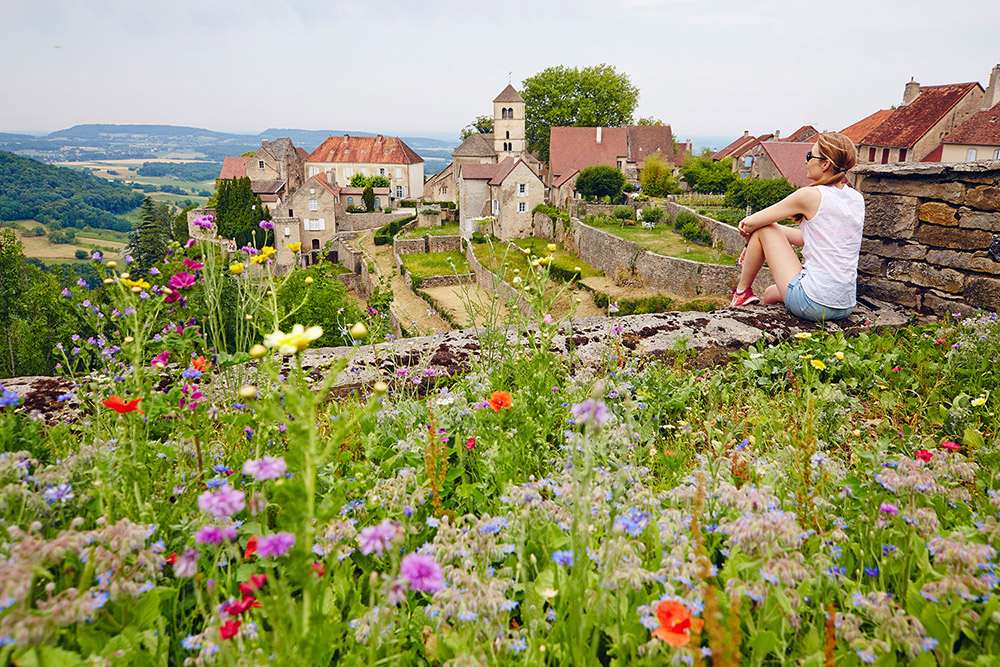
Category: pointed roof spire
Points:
column 509, row 94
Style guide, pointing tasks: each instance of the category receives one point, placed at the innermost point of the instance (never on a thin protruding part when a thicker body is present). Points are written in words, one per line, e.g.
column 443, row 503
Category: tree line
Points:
column 185, row 171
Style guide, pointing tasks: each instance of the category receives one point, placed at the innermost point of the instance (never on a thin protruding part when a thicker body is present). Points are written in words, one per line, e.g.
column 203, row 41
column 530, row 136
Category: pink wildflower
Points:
column 267, row 467
column 274, row 545
column 182, row 280
column 422, row 573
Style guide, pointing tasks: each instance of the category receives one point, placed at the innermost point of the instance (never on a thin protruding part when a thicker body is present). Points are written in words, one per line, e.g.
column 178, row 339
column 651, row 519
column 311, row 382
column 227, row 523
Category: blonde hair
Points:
column 842, row 154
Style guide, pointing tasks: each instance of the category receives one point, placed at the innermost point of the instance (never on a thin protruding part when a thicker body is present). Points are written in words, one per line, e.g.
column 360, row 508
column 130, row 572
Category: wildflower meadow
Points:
column 832, row 500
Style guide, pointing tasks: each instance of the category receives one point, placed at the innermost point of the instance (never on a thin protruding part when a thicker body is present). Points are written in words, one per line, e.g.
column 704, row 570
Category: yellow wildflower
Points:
column 309, row 280
column 135, row 283
column 294, row 247
column 816, row 363
column 294, row 341
column 551, row 247
column 978, row 402
column 264, row 255
column 236, row 268
column 803, row 335
column 839, row 355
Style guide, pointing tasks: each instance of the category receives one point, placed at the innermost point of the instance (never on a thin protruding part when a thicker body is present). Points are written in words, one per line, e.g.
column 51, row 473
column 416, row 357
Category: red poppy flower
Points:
column 229, row 629
column 251, row 547
column 240, row 607
column 256, row 582
column 675, row 623
column 172, row 558
column 500, row 399
column 953, row 446
column 199, row 364
column 318, row 569
column 118, row 404
column 470, row 443
column 924, row 455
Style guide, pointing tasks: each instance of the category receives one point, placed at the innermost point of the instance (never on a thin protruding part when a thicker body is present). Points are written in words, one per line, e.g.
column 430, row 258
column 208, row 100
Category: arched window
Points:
column 508, row 135
column 350, row 201
column 503, row 114
column 378, row 202
column 315, row 244
column 971, row 155
column 510, row 114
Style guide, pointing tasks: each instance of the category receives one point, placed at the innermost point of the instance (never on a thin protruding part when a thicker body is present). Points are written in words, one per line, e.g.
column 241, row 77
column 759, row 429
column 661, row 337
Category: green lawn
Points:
column 435, row 264
column 664, row 241
column 449, row 229
column 504, row 260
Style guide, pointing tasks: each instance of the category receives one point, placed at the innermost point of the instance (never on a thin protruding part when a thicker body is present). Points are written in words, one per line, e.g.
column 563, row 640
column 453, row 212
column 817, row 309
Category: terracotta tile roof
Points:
column 790, row 159
column 503, row 170
column 728, row 150
column 303, row 153
column 478, row 172
column 682, row 154
column 935, row 155
column 477, row 145
column 804, row 133
column 908, row 124
column 509, row 94
column 375, row 150
column 234, row 167
column 559, row 182
column 644, row 140
column 577, row 148
column 269, row 199
column 267, row 187
column 753, row 144
column 863, row 127
column 982, row 129
column 321, row 180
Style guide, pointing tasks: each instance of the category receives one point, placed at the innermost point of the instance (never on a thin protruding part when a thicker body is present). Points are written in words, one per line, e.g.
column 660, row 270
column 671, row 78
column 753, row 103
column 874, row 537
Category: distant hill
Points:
column 62, row 197
column 310, row 139
column 161, row 131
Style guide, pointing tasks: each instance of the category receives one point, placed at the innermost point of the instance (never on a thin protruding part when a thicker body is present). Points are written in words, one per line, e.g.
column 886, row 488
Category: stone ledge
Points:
column 927, row 168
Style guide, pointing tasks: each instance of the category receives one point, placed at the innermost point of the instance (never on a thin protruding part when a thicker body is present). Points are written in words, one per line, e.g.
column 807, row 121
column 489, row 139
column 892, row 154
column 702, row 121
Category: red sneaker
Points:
column 743, row 298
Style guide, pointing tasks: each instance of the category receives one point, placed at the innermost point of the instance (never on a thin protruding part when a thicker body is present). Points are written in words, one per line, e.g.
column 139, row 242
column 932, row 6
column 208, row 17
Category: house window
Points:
column 315, row 244
column 508, row 135
column 313, row 205
column 494, row 206
column 364, row 170
column 315, row 224
column 399, row 172
column 885, row 156
column 350, row 201
column 381, row 171
column 290, row 213
column 313, row 171
column 260, row 164
column 522, row 189
column 971, row 155
column 378, row 202
column 871, row 154
column 503, row 114
column 902, row 155
column 510, row 113
column 748, row 162
column 444, row 188
column 619, row 164
column 312, row 191
column 996, row 154
column 521, row 207
column 399, row 192
column 347, row 173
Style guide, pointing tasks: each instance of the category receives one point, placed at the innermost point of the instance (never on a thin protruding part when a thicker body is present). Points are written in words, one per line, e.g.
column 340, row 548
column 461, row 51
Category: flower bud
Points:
column 108, row 281
column 248, row 391
column 112, row 264
column 270, row 292
column 249, row 318
column 380, row 388
column 579, row 300
column 136, row 289
column 129, row 339
column 577, row 269
column 258, row 351
column 124, row 275
column 309, row 280
column 551, row 247
column 359, row 331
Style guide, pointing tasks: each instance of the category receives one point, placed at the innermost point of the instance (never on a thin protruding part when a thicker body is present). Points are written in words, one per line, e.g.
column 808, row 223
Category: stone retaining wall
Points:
column 932, row 235
column 409, row 246
column 444, row 281
column 427, row 243
column 360, row 221
column 724, row 236
column 444, row 244
column 492, row 283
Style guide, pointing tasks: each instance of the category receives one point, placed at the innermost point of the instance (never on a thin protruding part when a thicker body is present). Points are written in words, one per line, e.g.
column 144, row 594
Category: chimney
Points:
column 598, row 135
column 263, row 143
column 746, row 133
column 992, row 96
column 910, row 92
column 777, row 135
column 378, row 139
column 688, row 146
column 331, row 178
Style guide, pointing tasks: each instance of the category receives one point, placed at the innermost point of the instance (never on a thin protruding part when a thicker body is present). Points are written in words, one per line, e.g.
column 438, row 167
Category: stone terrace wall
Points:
column 932, row 235
column 444, row 244
column 357, row 222
column 409, row 246
column 617, row 256
column 427, row 243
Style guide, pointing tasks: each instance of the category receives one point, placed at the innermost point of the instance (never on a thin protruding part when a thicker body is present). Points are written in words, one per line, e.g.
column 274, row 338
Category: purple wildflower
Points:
column 377, row 538
column 591, row 411
column 222, row 503
column 204, row 222
column 97, row 257
column 267, row 467
column 66, row 293
column 215, row 534
column 182, row 280
column 187, row 564
column 266, row 224
column 422, row 573
column 889, row 509
column 274, row 545
column 563, row 557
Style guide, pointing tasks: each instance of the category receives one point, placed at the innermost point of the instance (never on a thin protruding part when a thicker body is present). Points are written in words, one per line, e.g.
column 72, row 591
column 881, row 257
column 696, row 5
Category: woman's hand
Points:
column 743, row 229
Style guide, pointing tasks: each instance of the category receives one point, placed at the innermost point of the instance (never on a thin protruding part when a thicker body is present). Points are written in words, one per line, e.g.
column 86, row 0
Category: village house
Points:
column 371, row 156
column 274, row 170
column 507, row 193
column 783, row 159
column 926, row 116
column 308, row 216
column 625, row 148
column 978, row 138
column 858, row 131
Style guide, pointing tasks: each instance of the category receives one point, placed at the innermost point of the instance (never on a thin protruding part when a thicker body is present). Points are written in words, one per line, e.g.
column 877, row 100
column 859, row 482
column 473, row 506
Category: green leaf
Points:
column 49, row 656
column 972, row 438
column 762, row 644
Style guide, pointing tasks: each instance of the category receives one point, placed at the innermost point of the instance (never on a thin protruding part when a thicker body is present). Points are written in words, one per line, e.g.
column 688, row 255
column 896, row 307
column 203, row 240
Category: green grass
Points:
column 730, row 216
column 664, row 241
column 103, row 235
column 449, row 229
column 502, row 261
column 435, row 264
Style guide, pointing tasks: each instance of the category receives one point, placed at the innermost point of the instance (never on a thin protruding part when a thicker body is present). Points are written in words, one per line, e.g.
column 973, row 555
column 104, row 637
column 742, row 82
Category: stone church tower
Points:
column 508, row 124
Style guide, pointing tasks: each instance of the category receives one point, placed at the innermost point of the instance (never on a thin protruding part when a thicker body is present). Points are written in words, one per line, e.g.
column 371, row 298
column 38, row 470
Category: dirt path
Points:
column 412, row 311
column 451, row 299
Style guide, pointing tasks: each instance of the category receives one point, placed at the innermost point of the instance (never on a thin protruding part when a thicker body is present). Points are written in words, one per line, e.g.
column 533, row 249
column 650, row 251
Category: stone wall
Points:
column 444, row 243
column 409, row 246
column 357, row 222
column 932, row 235
column 443, row 281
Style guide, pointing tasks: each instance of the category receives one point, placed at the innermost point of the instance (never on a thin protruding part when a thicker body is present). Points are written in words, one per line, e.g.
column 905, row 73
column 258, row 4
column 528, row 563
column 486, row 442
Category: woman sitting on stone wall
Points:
column 832, row 214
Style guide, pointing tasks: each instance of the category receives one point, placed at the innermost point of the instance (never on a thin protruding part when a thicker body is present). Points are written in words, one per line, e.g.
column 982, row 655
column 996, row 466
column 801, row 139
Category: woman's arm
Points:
column 804, row 201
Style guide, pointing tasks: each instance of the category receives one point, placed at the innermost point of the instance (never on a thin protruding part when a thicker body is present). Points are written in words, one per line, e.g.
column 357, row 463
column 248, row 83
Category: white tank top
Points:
column 832, row 243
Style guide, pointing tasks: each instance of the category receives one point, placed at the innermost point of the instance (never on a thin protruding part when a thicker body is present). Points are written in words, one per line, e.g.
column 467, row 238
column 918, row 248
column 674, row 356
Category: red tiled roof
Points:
column 908, row 124
column 503, row 170
column 321, row 179
column 378, row 150
column 681, row 155
column 753, row 144
column 863, row 127
column 559, row 182
column 982, row 129
column 728, row 150
column 302, row 153
column 644, row 140
column 935, row 155
column 234, row 167
column 790, row 159
column 804, row 133
column 479, row 172
column 577, row 148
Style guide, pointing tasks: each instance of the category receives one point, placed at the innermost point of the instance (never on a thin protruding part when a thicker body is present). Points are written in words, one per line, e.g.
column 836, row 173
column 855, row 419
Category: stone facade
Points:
column 277, row 161
column 932, row 235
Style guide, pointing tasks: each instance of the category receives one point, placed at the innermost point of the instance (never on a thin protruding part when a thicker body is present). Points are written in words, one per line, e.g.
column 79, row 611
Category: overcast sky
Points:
column 706, row 67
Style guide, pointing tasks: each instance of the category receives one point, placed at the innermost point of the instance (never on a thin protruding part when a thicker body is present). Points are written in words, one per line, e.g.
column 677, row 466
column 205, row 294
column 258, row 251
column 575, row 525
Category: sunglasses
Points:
column 810, row 156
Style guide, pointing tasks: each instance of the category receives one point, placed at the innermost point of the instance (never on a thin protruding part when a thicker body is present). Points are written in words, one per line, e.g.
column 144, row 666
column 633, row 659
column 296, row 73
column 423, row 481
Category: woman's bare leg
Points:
column 769, row 243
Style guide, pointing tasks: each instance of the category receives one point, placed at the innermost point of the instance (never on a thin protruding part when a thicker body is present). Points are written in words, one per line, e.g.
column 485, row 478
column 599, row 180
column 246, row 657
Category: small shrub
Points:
column 652, row 214
column 623, row 213
column 687, row 225
column 408, row 203
column 478, row 237
column 628, row 187
column 35, row 231
column 81, row 253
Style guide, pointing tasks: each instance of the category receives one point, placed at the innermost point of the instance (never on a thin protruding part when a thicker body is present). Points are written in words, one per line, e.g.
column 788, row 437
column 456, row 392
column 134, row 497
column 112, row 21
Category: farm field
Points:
column 125, row 170
column 110, row 243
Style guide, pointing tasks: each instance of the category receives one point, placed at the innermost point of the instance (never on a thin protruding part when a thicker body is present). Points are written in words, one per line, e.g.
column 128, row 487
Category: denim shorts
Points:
column 800, row 305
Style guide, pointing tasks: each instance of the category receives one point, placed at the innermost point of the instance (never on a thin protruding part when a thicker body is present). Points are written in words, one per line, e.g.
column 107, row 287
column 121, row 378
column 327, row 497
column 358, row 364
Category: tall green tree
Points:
column 704, row 175
column 598, row 96
column 482, row 125
column 368, row 196
column 600, row 181
column 13, row 284
column 148, row 243
column 657, row 177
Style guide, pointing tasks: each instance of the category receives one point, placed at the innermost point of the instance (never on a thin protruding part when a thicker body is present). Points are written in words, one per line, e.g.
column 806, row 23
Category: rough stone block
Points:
column 983, row 292
column 926, row 275
column 949, row 192
column 940, row 303
column 985, row 197
column 890, row 216
column 963, row 260
column 954, row 238
column 898, row 293
column 969, row 218
column 906, row 250
column 938, row 213
column 872, row 265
